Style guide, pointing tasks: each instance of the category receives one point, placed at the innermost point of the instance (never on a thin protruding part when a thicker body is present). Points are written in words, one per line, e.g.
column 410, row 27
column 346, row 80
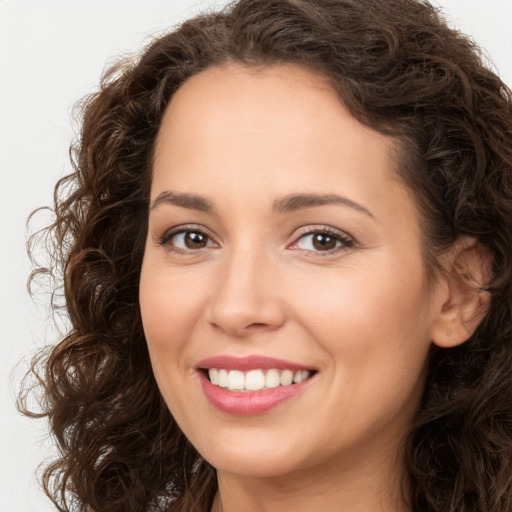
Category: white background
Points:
column 52, row 53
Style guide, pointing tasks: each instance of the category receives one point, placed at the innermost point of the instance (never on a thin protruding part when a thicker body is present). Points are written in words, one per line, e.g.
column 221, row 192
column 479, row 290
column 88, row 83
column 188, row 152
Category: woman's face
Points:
column 282, row 245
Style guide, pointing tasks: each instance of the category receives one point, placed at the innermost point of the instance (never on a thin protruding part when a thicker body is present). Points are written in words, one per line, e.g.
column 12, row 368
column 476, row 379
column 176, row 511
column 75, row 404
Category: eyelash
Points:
column 345, row 241
column 165, row 239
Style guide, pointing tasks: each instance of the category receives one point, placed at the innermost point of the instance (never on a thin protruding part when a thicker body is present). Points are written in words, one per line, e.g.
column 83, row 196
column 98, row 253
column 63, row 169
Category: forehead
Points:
column 253, row 92
column 287, row 99
column 238, row 132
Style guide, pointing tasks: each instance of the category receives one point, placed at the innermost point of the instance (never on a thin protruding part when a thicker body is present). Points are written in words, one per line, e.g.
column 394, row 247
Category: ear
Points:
column 462, row 300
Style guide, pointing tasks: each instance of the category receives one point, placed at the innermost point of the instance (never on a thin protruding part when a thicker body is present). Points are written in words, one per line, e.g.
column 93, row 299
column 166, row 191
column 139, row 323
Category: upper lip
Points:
column 249, row 363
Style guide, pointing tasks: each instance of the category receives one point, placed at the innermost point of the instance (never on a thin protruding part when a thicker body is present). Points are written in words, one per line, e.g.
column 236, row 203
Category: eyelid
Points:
column 347, row 240
column 183, row 228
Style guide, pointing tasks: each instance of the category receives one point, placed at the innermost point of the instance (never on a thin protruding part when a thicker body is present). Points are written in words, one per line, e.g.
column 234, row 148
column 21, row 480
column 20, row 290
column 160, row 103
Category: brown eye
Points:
column 319, row 242
column 323, row 242
column 194, row 240
column 187, row 240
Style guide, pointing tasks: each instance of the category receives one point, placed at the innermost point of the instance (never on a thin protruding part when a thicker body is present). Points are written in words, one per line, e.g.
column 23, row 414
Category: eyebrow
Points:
column 189, row 201
column 287, row 204
column 296, row 202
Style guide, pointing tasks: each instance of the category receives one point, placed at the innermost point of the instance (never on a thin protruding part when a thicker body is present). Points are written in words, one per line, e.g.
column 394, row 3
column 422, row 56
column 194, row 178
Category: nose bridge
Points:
column 245, row 298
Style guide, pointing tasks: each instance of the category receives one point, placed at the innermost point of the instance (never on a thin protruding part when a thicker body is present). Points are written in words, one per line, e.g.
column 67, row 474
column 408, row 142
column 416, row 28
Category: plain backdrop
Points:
column 51, row 54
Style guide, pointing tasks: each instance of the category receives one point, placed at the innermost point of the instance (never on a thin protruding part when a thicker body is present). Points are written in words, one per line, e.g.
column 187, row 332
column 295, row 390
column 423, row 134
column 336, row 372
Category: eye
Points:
column 326, row 240
column 187, row 240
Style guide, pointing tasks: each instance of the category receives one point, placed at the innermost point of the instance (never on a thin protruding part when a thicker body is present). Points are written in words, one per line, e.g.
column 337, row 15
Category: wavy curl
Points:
column 399, row 69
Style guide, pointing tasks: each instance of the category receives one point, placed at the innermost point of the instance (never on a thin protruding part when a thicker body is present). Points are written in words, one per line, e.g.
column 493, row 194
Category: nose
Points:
column 246, row 299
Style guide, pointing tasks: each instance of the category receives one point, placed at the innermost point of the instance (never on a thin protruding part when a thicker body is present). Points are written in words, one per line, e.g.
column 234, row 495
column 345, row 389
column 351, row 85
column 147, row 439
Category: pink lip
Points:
column 250, row 402
column 249, row 363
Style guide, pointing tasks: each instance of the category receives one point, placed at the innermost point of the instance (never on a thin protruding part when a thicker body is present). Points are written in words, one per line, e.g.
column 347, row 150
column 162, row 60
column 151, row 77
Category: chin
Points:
column 256, row 459
column 261, row 466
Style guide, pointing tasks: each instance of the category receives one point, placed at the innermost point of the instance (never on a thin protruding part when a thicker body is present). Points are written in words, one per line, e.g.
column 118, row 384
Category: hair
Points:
column 398, row 68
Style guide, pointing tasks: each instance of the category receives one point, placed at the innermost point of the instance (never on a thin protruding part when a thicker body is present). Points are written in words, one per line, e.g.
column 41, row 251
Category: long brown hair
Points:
column 399, row 69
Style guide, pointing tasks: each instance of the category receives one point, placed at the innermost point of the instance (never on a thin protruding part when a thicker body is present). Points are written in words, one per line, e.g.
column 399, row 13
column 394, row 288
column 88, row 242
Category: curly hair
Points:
column 399, row 69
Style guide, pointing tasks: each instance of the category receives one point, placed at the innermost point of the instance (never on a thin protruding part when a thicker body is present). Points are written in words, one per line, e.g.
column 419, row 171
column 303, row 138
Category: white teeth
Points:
column 300, row 376
column 286, row 378
column 255, row 380
column 213, row 373
column 272, row 379
column 223, row 378
column 236, row 380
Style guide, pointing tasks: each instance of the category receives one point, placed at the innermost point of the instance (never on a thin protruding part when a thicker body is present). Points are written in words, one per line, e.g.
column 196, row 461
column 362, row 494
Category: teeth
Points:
column 236, row 380
column 255, row 380
column 300, row 376
column 223, row 378
column 286, row 378
column 214, row 376
column 272, row 379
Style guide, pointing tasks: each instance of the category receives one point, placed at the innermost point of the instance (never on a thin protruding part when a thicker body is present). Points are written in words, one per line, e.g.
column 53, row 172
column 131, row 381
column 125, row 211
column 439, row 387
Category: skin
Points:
column 362, row 315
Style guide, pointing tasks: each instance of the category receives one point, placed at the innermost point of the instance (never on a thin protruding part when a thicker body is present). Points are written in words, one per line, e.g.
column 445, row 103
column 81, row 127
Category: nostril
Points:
column 256, row 325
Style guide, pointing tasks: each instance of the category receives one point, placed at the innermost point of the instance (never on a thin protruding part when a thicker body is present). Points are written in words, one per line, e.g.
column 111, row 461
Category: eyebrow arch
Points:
column 287, row 204
column 189, row 201
column 296, row 202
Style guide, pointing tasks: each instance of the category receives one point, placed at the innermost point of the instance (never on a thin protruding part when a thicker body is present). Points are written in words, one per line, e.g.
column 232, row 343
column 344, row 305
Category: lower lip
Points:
column 249, row 402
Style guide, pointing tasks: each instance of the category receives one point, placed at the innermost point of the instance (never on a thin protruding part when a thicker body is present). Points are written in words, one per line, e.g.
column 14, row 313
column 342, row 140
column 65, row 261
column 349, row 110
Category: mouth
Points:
column 258, row 379
column 252, row 384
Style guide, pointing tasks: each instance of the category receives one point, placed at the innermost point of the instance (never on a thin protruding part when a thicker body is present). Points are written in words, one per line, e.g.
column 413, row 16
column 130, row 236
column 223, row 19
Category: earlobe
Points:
column 462, row 301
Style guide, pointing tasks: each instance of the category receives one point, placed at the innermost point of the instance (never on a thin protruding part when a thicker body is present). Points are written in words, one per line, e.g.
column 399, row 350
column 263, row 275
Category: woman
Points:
column 286, row 263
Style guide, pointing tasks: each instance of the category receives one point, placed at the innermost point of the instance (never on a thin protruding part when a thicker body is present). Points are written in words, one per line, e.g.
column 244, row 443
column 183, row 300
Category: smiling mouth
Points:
column 255, row 380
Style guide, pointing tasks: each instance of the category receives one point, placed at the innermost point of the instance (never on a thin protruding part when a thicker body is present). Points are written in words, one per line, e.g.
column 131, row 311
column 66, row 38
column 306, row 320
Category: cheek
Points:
column 169, row 303
column 374, row 331
column 369, row 317
column 170, row 307
column 168, row 316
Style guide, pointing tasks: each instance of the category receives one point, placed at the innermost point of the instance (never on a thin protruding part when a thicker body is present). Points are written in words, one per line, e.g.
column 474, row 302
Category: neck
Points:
column 351, row 488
